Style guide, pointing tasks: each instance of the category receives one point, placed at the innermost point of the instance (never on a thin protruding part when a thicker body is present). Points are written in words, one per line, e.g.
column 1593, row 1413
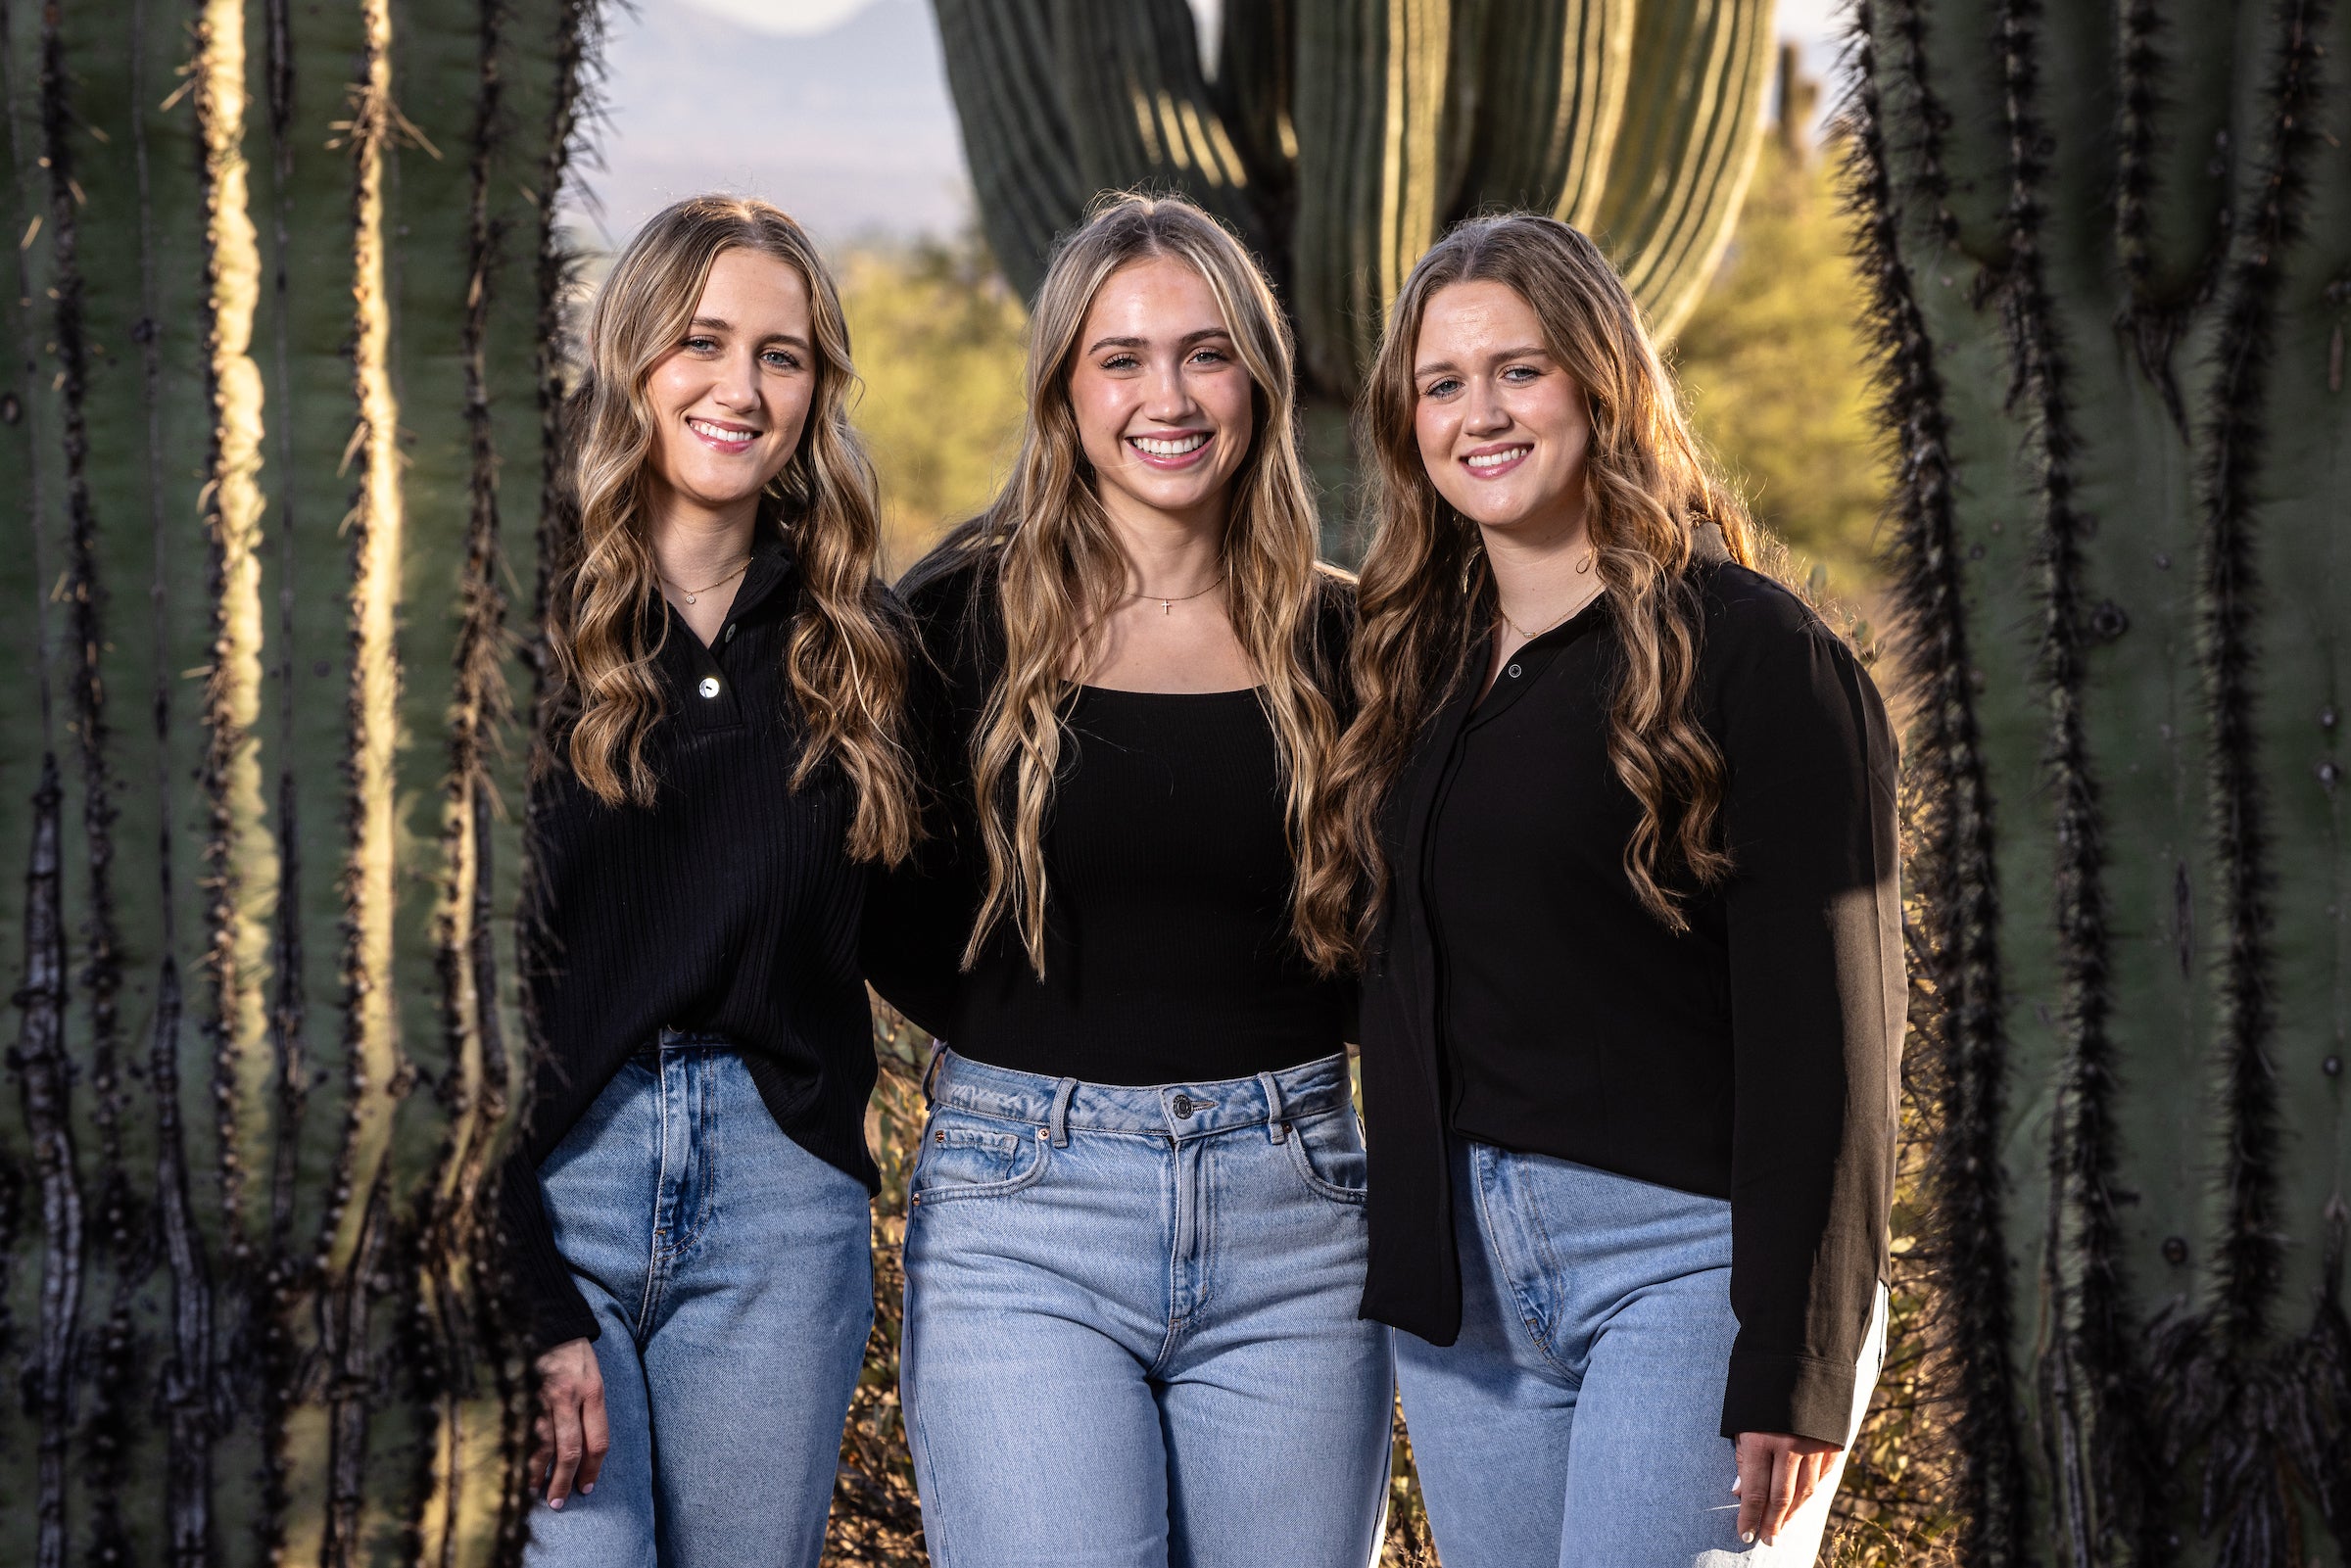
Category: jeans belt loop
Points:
column 1276, row 1130
column 938, row 1049
column 1059, row 1126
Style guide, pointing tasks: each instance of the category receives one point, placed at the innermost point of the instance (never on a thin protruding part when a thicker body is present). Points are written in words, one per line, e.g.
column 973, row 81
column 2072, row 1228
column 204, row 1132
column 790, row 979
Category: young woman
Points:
column 687, row 1214
column 1623, row 810
column 1135, row 1246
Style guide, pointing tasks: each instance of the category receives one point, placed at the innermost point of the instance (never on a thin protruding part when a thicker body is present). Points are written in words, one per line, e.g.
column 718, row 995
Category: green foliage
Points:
column 1773, row 366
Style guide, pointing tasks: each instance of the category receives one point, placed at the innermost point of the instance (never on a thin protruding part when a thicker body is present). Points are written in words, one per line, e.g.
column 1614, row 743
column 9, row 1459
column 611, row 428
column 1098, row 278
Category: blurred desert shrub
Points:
column 1771, row 364
column 938, row 343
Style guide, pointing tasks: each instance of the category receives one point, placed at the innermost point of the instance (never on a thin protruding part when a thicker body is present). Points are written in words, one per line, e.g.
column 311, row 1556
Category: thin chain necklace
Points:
column 694, row 593
column 1564, row 616
column 1166, row 605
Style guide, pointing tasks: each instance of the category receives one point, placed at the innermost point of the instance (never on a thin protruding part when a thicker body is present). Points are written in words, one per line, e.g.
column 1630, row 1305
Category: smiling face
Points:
column 1502, row 428
column 730, row 399
column 1162, row 400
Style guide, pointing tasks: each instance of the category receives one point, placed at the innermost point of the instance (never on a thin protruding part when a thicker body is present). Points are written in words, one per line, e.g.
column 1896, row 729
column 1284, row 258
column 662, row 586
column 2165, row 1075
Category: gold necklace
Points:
column 694, row 593
column 1526, row 636
column 1167, row 605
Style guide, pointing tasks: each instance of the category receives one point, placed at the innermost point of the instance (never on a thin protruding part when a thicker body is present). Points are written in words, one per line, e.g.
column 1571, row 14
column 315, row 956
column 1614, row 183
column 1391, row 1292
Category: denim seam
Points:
column 1541, row 1341
column 1036, row 1173
column 650, row 1295
column 703, row 1154
column 1315, row 1184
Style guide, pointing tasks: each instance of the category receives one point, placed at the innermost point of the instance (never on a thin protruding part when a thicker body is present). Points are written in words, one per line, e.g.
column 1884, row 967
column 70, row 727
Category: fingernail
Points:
column 590, row 1486
column 1747, row 1538
column 557, row 1503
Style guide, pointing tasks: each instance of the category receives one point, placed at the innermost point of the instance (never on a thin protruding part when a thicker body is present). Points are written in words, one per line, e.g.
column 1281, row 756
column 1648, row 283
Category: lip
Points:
column 1525, row 449
column 1180, row 461
column 731, row 448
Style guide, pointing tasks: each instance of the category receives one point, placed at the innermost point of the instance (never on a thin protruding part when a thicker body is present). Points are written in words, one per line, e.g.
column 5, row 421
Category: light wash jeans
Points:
column 1577, row 1420
column 1131, row 1335
column 732, row 1273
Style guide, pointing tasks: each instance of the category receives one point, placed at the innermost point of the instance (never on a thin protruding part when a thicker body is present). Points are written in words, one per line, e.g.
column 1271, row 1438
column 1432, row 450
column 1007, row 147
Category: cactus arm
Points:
column 1016, row 137
column 1141, row 110
column 1369, row 117
column 1543, row 95
column 1954, row 871
column 1692, row 124
column 1256, row 51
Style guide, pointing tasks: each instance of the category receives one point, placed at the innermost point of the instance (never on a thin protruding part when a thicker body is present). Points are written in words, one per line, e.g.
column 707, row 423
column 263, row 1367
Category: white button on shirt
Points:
column 709, row 686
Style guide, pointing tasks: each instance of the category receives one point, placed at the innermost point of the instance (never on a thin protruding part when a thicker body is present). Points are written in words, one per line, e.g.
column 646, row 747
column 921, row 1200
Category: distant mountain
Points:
column 850, row 130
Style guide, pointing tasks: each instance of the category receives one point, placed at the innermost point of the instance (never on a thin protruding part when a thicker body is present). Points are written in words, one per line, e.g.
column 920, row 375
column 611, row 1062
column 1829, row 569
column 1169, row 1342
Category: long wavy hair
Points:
column 1059, row 571
column 1426, row 595
column 845, row 660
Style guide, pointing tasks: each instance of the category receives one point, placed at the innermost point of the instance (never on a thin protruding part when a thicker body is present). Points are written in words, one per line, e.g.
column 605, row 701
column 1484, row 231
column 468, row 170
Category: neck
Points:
column 1536, row 564
column 693, row 543
column 1171, row 553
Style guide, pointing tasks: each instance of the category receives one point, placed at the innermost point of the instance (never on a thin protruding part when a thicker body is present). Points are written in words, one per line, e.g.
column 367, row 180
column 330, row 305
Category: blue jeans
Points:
column 1130, row 1324
column 732, row 1273
column 1578, row 1418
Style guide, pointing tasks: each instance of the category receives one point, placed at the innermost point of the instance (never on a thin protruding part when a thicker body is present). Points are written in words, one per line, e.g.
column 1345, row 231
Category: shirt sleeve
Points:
column 554, row 1311
column 1817, row 1006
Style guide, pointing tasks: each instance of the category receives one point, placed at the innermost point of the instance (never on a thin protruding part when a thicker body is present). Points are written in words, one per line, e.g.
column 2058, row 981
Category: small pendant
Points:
column 691, row 599
column 1166, row 606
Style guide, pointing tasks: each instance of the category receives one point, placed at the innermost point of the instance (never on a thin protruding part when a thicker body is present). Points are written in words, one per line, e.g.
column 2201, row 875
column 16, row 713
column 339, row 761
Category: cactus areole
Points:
column 2109, row 248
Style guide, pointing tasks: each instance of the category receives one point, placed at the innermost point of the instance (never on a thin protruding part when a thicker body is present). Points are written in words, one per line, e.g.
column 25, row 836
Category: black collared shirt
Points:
column 1523, row 997
column 730, row 906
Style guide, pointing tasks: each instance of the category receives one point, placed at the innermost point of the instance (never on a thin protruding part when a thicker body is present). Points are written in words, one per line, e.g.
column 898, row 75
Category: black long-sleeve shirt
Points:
column 1522, row 997
column 730, row 905
column 1168, row 949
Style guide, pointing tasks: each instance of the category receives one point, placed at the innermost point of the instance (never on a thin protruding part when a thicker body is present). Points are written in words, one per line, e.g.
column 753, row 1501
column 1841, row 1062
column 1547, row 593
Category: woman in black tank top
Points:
column 1135, row 1235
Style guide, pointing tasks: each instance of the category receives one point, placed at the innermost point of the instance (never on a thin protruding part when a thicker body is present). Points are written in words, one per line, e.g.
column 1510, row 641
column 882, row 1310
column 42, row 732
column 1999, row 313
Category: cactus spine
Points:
column 2110, row 314
column 278, row 348
column 1339, row 138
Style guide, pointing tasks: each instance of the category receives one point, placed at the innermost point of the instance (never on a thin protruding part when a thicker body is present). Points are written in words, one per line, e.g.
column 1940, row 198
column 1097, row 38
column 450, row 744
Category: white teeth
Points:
column 721, row 432
column 1175, row 448
column 1495, row 459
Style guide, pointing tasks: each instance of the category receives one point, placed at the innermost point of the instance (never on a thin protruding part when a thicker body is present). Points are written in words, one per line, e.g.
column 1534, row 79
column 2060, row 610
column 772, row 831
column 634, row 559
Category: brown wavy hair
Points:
column 846, row 658
column 1426, row 595
column 1059, row 572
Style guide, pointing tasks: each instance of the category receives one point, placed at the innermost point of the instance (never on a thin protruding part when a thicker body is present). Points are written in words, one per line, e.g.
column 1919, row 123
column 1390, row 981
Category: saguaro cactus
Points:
column 1340, row 137
column 2111, row 254
column 280, row 278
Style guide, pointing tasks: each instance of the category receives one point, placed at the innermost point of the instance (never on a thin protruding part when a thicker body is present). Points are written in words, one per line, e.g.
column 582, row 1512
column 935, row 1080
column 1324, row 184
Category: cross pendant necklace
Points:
column 1166, row 605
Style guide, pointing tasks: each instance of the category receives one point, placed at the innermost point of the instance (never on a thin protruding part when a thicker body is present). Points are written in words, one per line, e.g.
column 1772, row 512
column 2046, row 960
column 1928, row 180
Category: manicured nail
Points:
column 590, row 1486
column 1747, row 1538
column 557, row 1503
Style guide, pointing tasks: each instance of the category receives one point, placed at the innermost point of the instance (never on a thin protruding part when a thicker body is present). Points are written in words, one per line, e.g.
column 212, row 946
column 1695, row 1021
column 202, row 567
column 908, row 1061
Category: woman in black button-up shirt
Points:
column 1623, row 817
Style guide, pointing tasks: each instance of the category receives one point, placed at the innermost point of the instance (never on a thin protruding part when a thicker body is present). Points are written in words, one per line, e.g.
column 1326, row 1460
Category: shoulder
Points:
column 1767, row 655
column 1749, row 615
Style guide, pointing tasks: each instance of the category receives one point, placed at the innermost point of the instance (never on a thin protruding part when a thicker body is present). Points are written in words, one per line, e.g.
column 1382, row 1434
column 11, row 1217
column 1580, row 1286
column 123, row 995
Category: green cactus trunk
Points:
column 1340, row 138
column 282, row 275
column 2111, row 254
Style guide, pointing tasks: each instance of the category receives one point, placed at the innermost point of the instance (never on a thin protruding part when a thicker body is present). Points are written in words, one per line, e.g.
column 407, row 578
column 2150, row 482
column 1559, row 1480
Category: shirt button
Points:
column 1513, row 672
column 709, row 686
column 730, row 634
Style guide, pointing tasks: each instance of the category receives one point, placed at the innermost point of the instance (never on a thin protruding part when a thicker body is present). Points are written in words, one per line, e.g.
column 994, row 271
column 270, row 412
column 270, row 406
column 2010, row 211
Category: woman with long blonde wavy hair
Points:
column 1135, row 1235
column 1618, row 813
column 686, row 1211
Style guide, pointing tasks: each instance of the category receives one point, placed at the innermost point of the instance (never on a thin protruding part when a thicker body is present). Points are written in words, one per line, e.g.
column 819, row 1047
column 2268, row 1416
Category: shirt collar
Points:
column 772, row 568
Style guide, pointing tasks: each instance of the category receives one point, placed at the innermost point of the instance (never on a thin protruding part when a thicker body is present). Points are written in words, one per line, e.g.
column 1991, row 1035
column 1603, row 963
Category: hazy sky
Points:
column 835, row 109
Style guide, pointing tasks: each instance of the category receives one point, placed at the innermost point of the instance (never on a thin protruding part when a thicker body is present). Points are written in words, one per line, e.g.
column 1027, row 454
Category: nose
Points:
column 736, row 384
column 1484, row 415
column 1167, row 398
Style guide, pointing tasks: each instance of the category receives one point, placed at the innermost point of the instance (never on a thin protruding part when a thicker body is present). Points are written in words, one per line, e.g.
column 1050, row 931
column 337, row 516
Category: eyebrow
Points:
column 1185, row 341
column 720, row 324
column 1526, row 351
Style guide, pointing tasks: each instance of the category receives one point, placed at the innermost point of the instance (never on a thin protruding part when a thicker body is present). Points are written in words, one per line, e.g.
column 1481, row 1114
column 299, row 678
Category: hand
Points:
column 1777, row 1473
column 569, row 1437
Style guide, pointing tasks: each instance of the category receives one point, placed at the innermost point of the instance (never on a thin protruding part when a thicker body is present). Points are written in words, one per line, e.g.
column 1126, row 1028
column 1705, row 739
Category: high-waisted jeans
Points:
column 1130, row 1334
column 731, row 1272
column 1578, row 1418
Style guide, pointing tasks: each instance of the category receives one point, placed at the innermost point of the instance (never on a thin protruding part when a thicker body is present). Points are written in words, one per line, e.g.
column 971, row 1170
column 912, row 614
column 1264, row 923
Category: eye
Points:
column 1442, row 387
column 782, row 358
column 1520, row 374
column 1121, row 361
column 1209, row 355
column 701, row 343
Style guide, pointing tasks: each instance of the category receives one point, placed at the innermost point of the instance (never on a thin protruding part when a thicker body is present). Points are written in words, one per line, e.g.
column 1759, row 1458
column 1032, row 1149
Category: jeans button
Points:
column 1183, row 1105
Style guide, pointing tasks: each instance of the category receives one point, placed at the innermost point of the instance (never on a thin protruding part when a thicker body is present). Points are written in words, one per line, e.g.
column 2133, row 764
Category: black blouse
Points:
column 730, row 905
column 1522, row 997
column 1167, row 950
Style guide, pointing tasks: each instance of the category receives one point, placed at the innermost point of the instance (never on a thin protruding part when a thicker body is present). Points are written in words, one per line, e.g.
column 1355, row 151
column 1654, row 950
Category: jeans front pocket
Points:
column 1328, row 1150
column 968, row 1156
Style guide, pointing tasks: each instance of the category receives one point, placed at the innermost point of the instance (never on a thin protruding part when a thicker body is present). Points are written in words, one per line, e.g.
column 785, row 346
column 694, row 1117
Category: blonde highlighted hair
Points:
column 1426, row 597
column 1058, row 570
column 846, row 661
